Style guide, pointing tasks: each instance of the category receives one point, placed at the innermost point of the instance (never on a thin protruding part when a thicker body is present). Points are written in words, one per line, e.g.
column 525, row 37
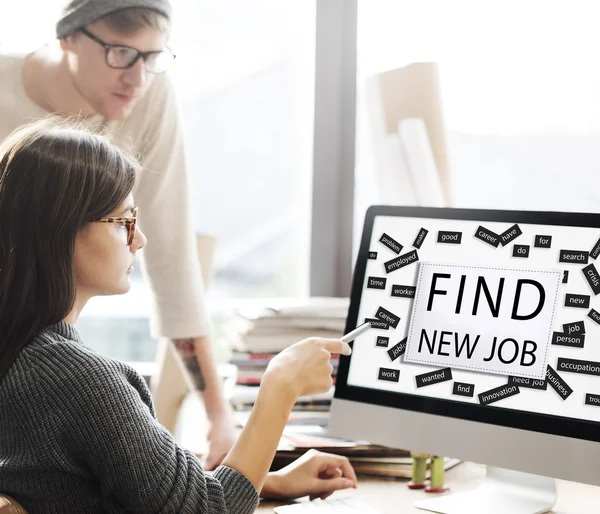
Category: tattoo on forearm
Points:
column 187, row 351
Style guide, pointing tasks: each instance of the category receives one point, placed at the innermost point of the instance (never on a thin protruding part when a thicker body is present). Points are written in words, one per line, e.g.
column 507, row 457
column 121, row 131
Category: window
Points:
column 520, row 93
column 245, row 77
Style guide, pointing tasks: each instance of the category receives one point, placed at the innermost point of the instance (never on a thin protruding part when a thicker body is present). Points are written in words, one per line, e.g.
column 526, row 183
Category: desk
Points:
column 393, row 497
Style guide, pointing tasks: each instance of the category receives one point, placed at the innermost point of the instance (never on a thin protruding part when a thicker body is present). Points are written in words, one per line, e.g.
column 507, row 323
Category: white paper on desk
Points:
column 335, row 504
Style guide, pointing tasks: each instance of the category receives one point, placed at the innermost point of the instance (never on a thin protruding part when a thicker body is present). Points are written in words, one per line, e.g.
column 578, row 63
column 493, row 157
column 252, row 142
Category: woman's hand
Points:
column 315, row 474
column 305, row 367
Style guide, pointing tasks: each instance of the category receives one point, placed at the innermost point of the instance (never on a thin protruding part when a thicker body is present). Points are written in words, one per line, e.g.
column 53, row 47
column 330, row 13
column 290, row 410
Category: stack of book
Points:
column 304, row 432
column 258, row 333
column 244, row 398
column 366, row 459
column 271, row 327
column 251, row 366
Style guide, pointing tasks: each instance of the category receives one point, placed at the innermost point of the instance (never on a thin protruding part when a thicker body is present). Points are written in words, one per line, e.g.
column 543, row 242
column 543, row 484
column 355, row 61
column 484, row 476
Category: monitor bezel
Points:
column 512, row 418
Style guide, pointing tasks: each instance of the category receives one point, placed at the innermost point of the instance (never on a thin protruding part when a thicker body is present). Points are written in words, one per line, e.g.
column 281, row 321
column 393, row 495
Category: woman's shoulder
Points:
column 65, row 361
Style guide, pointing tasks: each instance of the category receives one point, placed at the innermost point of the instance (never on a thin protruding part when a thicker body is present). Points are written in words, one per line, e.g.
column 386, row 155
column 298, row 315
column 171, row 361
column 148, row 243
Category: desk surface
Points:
column 393, row 497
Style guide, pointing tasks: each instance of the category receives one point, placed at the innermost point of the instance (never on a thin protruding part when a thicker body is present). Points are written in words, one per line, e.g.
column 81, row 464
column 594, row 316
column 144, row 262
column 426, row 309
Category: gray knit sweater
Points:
column 78, row 434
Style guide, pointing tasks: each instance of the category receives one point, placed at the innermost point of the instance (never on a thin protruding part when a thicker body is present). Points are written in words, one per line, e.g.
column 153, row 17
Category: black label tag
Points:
column 557, row 383
column 388, row 317
column 573, row 256
column 400, row 262
column 372, row 255
column 595, row 315
column 449, row 237
column 434, row 377
column 376, row 282
column 530, row 383
column 498, row 393
column 578, row 366
column 403, row 291
column 398, row 349
column 543, row 241
column 577, row 327
column 382, row 341
column 487, row 236
column 377, row 323
column 512, row 233
column 521, row 251
column 462, row 389
column 565, row 276
column 420, row 238
column 596, row 250
column 593, row 279
column 573, row 340
column 592, row 399
column 391, row 243
column 577, row 300
column 391, row 375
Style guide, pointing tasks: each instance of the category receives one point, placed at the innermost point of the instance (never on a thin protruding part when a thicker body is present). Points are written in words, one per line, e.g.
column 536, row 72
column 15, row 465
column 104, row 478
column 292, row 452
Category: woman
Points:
column 77, row 429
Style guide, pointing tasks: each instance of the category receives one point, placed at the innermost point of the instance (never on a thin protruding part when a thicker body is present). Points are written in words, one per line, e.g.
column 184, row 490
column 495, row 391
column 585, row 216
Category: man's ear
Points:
column 66, row 43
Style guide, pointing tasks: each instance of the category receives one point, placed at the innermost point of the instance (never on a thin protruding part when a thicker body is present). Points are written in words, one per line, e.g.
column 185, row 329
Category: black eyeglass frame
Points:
column 107, row 47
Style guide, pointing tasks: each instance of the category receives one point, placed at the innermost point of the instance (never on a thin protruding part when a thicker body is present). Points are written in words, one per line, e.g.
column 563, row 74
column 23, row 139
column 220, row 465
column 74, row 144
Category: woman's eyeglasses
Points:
column 124, row 57
column 129, row 222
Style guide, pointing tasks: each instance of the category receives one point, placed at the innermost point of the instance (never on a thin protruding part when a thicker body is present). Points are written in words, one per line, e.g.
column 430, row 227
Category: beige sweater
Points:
column 153, row 134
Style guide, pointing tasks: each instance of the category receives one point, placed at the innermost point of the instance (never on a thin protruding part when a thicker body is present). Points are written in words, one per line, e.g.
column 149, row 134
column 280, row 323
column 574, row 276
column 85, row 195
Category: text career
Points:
column 493, row 320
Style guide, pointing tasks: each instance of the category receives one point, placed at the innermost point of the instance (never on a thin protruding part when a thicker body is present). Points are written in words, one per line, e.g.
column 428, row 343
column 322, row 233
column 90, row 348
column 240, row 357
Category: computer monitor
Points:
column 485, row 347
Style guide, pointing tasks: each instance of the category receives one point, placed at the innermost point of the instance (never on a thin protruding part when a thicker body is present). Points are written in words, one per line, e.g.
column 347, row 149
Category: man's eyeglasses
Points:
column 124, row 57
column 128, row 222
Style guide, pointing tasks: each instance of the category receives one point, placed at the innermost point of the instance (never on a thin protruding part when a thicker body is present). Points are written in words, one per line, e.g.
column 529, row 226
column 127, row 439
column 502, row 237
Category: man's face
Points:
column 110, row 92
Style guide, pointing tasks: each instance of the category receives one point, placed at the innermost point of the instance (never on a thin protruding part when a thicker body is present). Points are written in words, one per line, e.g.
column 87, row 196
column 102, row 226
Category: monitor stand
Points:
column 501, row 492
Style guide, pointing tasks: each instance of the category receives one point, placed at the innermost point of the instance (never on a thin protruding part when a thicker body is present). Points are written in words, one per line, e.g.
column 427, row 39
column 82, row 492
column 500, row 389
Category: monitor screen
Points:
column 489, row 316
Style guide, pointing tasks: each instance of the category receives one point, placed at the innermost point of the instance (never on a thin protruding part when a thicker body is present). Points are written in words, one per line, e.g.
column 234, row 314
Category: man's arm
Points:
column 187, row 351
column 199, row 361
column 204, row 377
column 170, row 258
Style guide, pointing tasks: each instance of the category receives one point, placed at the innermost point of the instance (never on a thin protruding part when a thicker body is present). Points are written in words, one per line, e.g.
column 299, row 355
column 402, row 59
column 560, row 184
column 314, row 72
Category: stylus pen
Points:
column 351, row 336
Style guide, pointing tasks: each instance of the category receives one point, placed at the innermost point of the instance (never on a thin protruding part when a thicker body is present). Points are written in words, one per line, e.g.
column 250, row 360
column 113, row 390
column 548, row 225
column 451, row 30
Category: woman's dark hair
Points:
column 54, row 178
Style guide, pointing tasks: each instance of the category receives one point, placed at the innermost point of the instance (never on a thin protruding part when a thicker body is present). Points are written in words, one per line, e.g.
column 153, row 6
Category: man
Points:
column 108, row 67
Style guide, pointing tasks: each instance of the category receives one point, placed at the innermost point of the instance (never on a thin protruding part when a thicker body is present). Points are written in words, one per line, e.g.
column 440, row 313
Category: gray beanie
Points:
column 78, row 13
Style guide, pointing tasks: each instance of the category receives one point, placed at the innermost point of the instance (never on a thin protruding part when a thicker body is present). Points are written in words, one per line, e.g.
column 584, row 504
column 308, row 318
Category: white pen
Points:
column 351, row 336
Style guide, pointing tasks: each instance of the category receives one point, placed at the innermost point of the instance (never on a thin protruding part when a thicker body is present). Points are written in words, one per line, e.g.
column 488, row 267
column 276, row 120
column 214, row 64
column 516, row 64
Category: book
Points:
column 395, row 470
column 305, row 420
column 272, row 325
column 244, row 396
column 275, row 341
column 293, row 308
column 367, row 459
column 280, row 322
